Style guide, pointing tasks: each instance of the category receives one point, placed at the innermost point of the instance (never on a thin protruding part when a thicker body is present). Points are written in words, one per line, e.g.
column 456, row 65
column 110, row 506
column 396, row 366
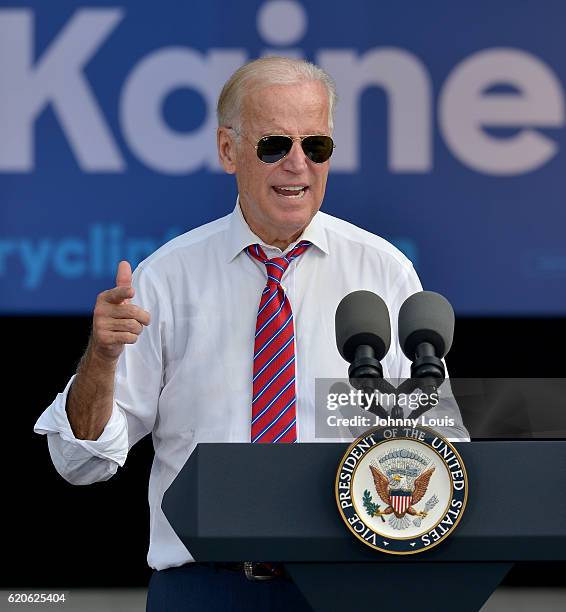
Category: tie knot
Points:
column 276, row 267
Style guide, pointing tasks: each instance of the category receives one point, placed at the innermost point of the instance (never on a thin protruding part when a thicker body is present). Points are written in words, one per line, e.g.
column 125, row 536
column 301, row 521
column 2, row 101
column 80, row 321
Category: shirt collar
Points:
column 241, row 236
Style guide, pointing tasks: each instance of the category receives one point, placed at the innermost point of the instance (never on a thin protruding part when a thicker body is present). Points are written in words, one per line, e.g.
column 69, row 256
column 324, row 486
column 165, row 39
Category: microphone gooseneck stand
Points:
column 366, row 374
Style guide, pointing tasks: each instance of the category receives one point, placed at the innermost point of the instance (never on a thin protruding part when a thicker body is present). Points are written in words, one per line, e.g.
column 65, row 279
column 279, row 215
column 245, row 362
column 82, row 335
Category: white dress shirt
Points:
column 188, row 377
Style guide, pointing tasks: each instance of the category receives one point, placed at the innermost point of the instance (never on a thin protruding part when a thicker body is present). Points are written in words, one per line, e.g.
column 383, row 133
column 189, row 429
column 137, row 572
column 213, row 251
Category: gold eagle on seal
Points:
column 397, row 488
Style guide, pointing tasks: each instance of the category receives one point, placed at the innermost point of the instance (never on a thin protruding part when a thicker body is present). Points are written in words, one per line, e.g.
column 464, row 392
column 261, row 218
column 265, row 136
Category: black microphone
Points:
column 426, row 330
column 363, row 335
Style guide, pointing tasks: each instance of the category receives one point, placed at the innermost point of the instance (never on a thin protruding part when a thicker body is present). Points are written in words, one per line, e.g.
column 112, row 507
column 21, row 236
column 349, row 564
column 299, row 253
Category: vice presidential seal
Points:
column 403, row 490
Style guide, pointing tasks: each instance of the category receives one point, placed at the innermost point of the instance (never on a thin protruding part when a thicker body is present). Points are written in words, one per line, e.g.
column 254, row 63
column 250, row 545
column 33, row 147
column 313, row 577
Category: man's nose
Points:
column 295, row 160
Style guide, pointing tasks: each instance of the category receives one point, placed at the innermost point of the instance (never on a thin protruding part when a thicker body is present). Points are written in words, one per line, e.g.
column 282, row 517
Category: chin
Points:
column 295, row 220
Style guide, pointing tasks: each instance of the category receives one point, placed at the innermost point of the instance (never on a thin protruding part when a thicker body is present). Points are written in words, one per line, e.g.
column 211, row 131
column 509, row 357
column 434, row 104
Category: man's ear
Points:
column 226, row 143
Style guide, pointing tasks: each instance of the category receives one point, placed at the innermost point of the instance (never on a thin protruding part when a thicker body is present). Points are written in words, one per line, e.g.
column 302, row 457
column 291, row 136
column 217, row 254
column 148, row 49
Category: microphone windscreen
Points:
column 426, row 317
column 362, row 317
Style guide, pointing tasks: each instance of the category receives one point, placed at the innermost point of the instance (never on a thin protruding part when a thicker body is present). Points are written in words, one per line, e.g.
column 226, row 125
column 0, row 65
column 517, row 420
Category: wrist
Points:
column 98, row 361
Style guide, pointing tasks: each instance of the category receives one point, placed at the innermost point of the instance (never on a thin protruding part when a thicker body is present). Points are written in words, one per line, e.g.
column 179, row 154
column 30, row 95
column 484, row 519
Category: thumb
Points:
column 124, row 275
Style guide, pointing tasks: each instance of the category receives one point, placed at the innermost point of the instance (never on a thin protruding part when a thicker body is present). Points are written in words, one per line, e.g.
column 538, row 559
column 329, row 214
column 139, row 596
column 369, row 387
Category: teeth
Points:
column 291, row 192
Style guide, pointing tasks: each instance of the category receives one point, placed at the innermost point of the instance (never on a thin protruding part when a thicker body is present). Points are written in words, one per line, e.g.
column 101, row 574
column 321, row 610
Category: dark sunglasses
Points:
column 317, row 147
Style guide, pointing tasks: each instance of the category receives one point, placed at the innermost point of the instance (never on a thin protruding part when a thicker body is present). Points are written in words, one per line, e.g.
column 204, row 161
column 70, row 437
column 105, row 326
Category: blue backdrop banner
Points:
column 449, row 137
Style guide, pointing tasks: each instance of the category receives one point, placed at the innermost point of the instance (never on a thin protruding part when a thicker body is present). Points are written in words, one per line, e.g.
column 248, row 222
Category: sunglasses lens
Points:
column 273, row 148
column 318, row 148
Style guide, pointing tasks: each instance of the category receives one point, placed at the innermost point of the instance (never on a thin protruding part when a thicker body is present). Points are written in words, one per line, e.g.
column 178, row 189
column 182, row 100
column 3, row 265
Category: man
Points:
column 202, row 363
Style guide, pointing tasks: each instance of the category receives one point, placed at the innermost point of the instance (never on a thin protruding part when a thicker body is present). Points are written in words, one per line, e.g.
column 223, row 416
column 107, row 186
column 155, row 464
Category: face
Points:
column 276, row 214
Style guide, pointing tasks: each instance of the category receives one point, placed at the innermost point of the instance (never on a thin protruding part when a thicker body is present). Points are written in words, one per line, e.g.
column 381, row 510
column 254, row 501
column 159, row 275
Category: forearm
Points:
column 90, row 399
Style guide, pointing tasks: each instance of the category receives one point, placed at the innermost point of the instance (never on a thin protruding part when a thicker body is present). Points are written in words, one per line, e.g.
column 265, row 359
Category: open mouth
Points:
column 293, row 192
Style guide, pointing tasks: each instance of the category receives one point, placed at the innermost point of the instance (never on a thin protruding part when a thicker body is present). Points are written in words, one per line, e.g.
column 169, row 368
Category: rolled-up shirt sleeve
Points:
column 138, row 385
column 83, row 461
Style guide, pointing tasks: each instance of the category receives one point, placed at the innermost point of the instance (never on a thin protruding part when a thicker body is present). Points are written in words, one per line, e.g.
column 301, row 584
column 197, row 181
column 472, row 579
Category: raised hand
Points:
column 116, row 322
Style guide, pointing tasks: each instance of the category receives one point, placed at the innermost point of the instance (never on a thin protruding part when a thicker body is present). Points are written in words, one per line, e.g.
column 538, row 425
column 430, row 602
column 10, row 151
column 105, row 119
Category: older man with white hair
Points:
column 251, row 296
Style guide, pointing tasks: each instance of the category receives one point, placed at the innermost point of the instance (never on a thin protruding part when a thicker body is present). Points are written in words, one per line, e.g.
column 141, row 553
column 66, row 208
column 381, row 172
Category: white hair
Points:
column 263, row 72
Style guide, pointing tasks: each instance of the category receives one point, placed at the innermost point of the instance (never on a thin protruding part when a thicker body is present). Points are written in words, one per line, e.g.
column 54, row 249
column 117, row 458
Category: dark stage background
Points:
column 60, row 535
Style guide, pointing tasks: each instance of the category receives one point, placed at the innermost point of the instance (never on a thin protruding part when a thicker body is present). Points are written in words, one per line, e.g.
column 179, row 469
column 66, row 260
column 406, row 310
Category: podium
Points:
column 256, row 502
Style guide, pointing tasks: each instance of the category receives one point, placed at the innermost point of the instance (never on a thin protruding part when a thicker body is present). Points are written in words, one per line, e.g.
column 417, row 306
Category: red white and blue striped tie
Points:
column 274, row 398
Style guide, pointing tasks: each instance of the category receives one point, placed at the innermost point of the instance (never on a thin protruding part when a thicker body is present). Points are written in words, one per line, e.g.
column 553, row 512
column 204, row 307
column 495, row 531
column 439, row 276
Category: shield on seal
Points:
column 401, row 501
